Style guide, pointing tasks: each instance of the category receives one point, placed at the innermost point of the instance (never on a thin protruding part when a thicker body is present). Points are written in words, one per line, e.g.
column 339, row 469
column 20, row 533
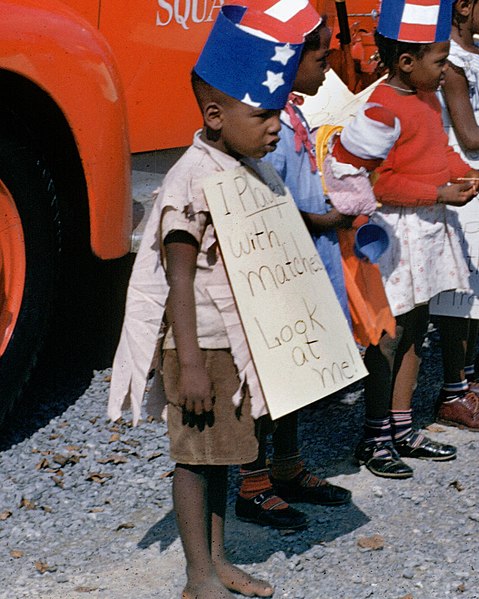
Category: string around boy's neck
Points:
column 400, row 89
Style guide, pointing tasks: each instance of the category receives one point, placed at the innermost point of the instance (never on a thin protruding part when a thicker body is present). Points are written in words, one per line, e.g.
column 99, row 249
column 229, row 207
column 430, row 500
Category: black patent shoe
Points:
column 388, row 465
column 325, row 493
column 252, row 510
column 416, row 445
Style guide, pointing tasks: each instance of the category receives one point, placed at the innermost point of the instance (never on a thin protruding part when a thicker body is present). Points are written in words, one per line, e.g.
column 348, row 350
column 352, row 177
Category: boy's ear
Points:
column 463, row 7
column 213, row 116
column 406, row 62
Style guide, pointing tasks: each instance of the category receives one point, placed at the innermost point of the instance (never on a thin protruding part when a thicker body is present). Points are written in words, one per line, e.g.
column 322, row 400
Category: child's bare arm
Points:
column 194, row 385
column 319, row 223
column 456, row 93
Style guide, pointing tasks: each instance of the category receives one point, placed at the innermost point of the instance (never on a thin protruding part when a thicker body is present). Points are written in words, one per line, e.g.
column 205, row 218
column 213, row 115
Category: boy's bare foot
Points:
column 207, row 589
column 237, row 580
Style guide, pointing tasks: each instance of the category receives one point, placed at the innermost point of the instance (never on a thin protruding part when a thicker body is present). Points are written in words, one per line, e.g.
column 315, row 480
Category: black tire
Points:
column 23, row 172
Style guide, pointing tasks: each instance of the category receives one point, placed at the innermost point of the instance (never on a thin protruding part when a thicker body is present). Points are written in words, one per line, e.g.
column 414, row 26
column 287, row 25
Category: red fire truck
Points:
column 83, row 85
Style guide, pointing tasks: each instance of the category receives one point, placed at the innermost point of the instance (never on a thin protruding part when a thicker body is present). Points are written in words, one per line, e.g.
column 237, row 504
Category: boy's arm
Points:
column 194, row 385
column 320, row 223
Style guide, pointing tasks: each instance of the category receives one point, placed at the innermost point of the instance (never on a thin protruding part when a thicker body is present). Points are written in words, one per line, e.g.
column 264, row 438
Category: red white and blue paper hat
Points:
column 253, row 55
column 419, row 21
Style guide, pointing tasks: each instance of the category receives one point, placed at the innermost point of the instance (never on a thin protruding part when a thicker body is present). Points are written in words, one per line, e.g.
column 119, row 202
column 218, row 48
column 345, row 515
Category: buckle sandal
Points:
column 299, row 489
column 387, row 465
column 252, row 510
column 416, row 445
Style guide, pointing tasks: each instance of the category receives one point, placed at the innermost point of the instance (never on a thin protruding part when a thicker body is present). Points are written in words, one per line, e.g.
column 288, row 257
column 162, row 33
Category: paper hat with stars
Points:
column 419, row 21
column 253, row 55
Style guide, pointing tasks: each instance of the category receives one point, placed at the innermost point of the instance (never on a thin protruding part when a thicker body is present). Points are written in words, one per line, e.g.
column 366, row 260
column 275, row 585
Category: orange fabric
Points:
column 368, row 304
column 367, row 301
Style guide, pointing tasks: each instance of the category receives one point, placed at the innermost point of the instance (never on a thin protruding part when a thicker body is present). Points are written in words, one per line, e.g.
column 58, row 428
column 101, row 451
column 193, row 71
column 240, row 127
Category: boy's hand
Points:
column 195, row 393
column 320, row 223
column 456, row 194
column 341, row 221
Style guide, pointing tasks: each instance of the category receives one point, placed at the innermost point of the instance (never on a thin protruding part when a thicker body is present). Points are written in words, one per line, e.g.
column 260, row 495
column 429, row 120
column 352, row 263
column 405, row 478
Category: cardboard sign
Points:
column 299, row 338
column 460, row 303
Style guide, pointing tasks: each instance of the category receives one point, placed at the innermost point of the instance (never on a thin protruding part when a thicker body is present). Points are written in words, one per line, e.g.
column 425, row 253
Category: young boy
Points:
column 241, row 81
column 262, row 500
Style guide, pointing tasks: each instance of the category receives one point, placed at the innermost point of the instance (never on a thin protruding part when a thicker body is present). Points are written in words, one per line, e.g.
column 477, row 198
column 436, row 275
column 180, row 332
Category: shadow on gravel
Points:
column 325, row 525
column 163, row 532
column 83, row 338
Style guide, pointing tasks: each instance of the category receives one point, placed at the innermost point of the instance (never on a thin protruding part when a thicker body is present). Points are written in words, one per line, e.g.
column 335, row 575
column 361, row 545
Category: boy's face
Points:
column 313, row 66
column 427, row 73
column 248, row 131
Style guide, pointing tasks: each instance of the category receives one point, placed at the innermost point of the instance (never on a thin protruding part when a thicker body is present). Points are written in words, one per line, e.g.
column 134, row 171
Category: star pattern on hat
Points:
column 249, row 100
column 273, row 81
column 283, row 54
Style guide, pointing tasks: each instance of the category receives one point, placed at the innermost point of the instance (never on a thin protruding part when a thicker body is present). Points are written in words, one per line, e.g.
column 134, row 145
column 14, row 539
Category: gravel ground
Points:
column 86, row 511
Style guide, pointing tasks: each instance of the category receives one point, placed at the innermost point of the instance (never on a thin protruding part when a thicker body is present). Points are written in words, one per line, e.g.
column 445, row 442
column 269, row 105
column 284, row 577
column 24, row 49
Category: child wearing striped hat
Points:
column 399, row 134
column 264, row 496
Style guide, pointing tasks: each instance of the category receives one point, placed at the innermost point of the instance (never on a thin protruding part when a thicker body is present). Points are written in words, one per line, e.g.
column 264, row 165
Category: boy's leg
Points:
column 376, row 450
column 257, row 501
column 190, row 499
column 231, row 576
column 290, row 478
column 458, row 404
column 454, row 333
column 407, row 442
column 199, row 491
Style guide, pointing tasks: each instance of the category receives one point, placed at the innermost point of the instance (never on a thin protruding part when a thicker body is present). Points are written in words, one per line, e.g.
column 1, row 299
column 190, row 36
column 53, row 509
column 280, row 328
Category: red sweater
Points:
column 421, row 159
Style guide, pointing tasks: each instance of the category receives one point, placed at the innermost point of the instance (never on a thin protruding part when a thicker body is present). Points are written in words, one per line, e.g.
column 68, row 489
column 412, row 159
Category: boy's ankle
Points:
column 199, row 575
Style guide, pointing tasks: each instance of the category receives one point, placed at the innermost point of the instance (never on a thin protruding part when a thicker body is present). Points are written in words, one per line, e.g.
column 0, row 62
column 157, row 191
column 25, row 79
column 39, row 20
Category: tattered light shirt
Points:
column 180, row 205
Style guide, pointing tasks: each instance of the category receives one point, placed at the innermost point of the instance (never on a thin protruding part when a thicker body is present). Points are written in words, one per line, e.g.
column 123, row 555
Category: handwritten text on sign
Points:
column 299, row 338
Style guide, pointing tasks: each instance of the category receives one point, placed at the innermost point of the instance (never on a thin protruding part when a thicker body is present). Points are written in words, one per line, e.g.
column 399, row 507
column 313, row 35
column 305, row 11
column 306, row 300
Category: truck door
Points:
column 156, row 44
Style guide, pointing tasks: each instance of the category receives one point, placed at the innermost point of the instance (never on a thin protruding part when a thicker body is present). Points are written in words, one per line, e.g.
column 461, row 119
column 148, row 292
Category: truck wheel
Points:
column 29, row 257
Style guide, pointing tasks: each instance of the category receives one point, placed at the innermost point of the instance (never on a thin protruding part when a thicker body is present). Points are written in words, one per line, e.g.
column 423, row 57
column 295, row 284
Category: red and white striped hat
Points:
column 289, row 19
column 419, row 21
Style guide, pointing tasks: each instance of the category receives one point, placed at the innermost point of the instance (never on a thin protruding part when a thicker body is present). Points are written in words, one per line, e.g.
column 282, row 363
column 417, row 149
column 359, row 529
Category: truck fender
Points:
column 61, row 53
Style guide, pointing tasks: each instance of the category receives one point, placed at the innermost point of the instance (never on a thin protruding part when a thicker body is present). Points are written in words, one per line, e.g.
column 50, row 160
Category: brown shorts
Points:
column 228, row 437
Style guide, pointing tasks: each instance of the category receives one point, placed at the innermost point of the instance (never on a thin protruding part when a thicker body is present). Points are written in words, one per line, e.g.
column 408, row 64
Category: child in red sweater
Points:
column 399, row 133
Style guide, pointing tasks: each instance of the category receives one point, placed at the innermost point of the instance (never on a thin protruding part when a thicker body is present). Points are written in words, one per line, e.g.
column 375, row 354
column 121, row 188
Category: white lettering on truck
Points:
column 186, row 12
